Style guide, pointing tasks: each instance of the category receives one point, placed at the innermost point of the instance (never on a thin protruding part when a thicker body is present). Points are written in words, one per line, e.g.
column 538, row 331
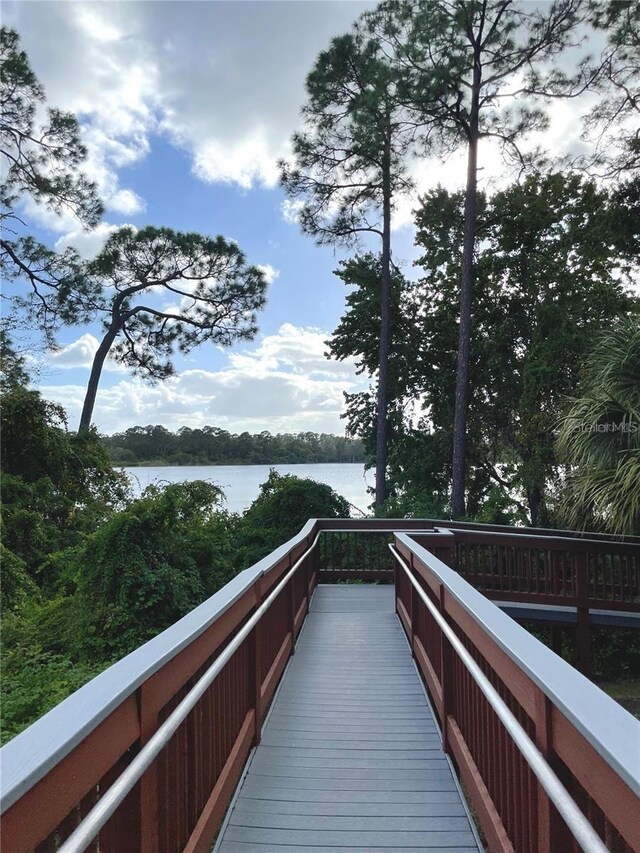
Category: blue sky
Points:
column 186, row 107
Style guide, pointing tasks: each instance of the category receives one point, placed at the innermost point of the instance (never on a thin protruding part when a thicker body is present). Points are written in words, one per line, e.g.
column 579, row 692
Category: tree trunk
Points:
column 94, row 377
column 466, row 293
column 385, row 333
column 534, row 499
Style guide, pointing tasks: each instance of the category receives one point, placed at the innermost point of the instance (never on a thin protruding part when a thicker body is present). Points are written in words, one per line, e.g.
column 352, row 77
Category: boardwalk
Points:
column 350, row 758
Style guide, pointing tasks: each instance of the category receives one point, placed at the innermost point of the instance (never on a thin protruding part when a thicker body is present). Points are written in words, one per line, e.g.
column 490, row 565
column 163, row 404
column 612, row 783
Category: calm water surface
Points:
column 241, row 483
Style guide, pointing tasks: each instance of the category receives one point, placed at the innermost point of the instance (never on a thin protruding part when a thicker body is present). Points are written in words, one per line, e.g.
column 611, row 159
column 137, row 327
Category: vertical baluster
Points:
column 332, row 558
column 255, row 669
column 446, row 654
column 415, row 611
column 600, row 568
column 499, row 755
column 475, row 711
column 292, row 605
column 149, row 722
column 514, row 794
column 583, row 627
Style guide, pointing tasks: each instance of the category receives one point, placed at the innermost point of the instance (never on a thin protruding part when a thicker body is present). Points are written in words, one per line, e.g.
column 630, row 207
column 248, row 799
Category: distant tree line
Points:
column 156, row 445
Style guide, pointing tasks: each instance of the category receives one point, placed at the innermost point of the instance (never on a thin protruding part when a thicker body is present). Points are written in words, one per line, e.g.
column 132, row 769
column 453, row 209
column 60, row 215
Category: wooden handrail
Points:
column 582, row 733
column 54, row 772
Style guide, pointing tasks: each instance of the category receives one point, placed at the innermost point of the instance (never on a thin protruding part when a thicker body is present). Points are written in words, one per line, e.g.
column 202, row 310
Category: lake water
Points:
column 241, row 483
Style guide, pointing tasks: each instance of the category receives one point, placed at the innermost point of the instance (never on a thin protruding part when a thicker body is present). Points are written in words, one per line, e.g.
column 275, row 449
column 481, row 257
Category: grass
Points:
column 626, row 693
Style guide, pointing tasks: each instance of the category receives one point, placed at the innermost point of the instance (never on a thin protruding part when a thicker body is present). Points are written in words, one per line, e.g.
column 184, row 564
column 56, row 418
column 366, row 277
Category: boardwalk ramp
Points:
column 350, row 758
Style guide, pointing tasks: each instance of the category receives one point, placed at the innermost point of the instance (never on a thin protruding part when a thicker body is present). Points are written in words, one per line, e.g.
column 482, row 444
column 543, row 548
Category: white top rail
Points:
column 503, row 534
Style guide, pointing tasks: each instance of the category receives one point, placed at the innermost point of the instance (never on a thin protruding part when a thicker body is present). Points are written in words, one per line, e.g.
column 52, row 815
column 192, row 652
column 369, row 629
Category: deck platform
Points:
column 350, row 758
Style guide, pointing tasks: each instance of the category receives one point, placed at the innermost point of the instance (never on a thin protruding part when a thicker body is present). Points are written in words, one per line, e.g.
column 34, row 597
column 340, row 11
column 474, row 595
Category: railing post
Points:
column 255, row 669
column 446, row 680
column 292, row 609
column 307, row 581
column 149, row 829
column 583, row 629
column 315, row 570
column 556, row 639
column 396, row 577
column 413, row 610
column 553, row 834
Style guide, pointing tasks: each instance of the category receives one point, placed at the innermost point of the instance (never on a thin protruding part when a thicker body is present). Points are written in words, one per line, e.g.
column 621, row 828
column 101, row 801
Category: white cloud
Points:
column 270, row 273
column 293, row 349
column 126, row 202
column 96, row 26
column 290, row 209
column 86, row 243
column 246, row 162
column 223, row 80
column 78, row 353
column 284, row 384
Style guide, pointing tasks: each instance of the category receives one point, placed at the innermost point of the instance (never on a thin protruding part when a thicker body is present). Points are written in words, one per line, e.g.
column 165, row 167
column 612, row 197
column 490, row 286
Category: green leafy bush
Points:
column 152, row 563
column 34, row 681
column 282, row 508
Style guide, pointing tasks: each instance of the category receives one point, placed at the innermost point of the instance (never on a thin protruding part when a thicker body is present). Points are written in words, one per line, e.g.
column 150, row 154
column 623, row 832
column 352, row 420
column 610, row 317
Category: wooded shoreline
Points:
column 156, row 445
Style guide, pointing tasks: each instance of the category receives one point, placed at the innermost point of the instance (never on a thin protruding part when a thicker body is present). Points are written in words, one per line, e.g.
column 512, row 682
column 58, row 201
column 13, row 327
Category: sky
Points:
column 186, row 108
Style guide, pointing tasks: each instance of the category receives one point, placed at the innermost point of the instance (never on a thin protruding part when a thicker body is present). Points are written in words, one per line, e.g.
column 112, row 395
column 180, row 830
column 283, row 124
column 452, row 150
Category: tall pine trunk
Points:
column 466, row 296
column 94, row 377
column 385, row 333
column 535, row 500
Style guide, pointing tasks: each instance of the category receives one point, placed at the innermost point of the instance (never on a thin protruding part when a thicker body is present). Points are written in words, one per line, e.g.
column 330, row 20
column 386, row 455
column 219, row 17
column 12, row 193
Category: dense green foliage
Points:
column 615, row 652
column 56, row 487
column 41, row 151
column 282, row 508
column 553, row 268
column 156, row 445
column 600, row 436
column 90, row 574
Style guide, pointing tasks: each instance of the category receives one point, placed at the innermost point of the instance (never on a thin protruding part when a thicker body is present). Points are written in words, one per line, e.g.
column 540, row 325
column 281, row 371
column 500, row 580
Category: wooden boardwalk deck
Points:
column 350, row 758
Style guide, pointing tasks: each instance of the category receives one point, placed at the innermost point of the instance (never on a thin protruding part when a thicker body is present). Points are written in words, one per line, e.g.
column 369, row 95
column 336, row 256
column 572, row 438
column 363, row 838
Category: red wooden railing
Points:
column 514, row 811
column 181, row 799
column 557, row 570
column 585, row 574
column 57, row 770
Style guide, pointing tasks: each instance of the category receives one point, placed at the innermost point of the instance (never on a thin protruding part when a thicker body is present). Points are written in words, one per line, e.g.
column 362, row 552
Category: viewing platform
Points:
column 294, row 712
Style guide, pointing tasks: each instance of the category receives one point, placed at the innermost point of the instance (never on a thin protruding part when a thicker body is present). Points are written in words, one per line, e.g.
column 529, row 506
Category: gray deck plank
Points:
column 244, row 847
column 438, row 793
column 335, row 749
column 350, row 758
column 358, row 810
column 265, row 783
column 354, row 838
column 265, row 820
column 345, row 740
